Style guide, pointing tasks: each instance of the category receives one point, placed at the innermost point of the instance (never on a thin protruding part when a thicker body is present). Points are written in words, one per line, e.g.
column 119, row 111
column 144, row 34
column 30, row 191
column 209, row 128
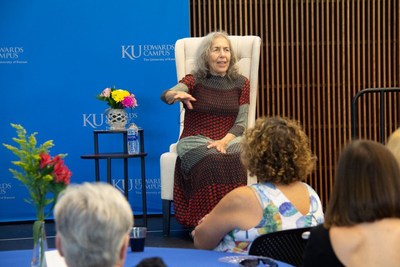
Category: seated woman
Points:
column 216, row 102
column 362, row 220
column 277, row 152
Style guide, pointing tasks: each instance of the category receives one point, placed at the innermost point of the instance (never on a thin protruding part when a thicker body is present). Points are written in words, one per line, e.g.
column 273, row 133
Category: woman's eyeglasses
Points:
column 256, row 261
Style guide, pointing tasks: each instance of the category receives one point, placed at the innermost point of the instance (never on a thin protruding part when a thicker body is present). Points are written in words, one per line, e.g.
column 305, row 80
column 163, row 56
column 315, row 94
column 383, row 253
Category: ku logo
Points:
column 130, row 52
column 93, row 120
column 98, row 120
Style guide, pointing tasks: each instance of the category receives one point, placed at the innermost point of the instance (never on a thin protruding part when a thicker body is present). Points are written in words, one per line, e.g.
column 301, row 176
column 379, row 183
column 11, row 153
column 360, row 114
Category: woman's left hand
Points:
column 219, row 145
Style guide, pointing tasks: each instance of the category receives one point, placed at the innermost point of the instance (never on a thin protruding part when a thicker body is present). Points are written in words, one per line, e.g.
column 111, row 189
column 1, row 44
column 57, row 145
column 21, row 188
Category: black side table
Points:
column 97, row 156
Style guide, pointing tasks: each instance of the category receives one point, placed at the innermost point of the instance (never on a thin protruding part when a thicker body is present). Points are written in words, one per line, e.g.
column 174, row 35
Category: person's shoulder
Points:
column 240, row 196
column 239, row 192
column 242, row 78
column 310, row 189
column 188, row 80
column 189, row 76
column 241, row 81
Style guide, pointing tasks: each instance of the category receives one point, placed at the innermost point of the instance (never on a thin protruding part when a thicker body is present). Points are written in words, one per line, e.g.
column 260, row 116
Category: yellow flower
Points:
column 48, row 178
column 119, row 95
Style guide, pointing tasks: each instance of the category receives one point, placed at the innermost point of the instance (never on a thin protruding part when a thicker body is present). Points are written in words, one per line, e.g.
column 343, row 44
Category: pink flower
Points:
column 106, row 92
column 134, row 104
column 127, row 102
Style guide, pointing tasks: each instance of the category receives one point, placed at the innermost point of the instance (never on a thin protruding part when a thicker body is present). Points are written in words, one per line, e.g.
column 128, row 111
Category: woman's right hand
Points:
column 181, row 96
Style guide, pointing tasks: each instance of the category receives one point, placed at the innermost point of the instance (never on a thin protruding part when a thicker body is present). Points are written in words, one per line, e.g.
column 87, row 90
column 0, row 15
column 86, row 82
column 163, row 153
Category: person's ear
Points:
column 58, row 245
column 123, row 251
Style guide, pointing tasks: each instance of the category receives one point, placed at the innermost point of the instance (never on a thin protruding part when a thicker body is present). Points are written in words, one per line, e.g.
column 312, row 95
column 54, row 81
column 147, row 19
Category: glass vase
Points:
column 39, row 244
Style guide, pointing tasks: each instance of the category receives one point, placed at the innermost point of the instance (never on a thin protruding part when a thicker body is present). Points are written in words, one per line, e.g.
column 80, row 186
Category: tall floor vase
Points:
column 39, row 244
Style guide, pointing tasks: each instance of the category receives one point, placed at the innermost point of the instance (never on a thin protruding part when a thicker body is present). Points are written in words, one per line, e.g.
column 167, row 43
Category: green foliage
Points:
column 38, row 179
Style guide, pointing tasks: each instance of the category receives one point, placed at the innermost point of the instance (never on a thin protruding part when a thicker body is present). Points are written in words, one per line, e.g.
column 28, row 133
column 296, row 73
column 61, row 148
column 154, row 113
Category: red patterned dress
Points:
column 203, row 176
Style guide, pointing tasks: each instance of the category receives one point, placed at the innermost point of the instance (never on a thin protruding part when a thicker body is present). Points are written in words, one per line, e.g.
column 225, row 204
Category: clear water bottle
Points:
column 133, row 139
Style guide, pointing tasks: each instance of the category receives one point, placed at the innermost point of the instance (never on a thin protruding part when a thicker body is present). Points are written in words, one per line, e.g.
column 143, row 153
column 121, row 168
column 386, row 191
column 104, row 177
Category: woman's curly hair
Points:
column 277, row 150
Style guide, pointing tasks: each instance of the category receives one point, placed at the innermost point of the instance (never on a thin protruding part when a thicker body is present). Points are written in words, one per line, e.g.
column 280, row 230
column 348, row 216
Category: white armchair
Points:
column 247, row 49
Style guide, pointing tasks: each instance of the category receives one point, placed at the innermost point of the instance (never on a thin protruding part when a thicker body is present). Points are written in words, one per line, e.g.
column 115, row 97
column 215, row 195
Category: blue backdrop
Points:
column 56, row 56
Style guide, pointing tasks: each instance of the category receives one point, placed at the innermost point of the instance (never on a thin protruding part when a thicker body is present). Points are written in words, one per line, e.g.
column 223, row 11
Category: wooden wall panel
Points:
column 316, row 55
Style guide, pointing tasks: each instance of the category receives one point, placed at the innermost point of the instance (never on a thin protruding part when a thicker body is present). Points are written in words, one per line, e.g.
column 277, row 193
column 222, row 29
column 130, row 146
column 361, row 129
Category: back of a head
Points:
column 277, row 150
column 367, row 185
column 92, row 220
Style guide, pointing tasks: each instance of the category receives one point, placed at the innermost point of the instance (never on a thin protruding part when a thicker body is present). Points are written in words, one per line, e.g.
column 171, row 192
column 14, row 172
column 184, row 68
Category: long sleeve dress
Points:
column 202, row 175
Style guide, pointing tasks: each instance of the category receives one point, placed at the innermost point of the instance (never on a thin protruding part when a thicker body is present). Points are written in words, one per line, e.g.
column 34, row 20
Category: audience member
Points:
column 152, row 262
column 362, row 220
column 93, row 222
column 216, row 102
column 393, row 144
column 277, row 152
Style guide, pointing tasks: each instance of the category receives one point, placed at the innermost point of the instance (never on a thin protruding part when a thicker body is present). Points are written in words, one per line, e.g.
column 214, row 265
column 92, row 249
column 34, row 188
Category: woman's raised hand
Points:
column 185, row 98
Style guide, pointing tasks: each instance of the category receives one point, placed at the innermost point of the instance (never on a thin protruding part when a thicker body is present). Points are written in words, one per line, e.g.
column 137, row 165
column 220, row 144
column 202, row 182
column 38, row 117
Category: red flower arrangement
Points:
column 41, row 174
column 61, row 172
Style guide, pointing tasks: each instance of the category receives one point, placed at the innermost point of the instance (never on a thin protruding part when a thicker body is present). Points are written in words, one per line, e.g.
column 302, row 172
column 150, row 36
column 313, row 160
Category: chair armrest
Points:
column 167, row 170
column 172, row 147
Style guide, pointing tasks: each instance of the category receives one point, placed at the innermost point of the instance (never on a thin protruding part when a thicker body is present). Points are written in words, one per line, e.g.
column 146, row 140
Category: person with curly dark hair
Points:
column 277, row 152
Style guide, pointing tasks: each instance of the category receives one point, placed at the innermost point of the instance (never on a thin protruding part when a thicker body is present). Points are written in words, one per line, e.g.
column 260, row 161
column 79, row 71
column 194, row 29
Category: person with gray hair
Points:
column 93, row 223
column 216, row 100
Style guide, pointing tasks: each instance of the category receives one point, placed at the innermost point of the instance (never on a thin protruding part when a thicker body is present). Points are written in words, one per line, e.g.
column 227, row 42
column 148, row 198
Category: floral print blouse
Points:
column 279, row 214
